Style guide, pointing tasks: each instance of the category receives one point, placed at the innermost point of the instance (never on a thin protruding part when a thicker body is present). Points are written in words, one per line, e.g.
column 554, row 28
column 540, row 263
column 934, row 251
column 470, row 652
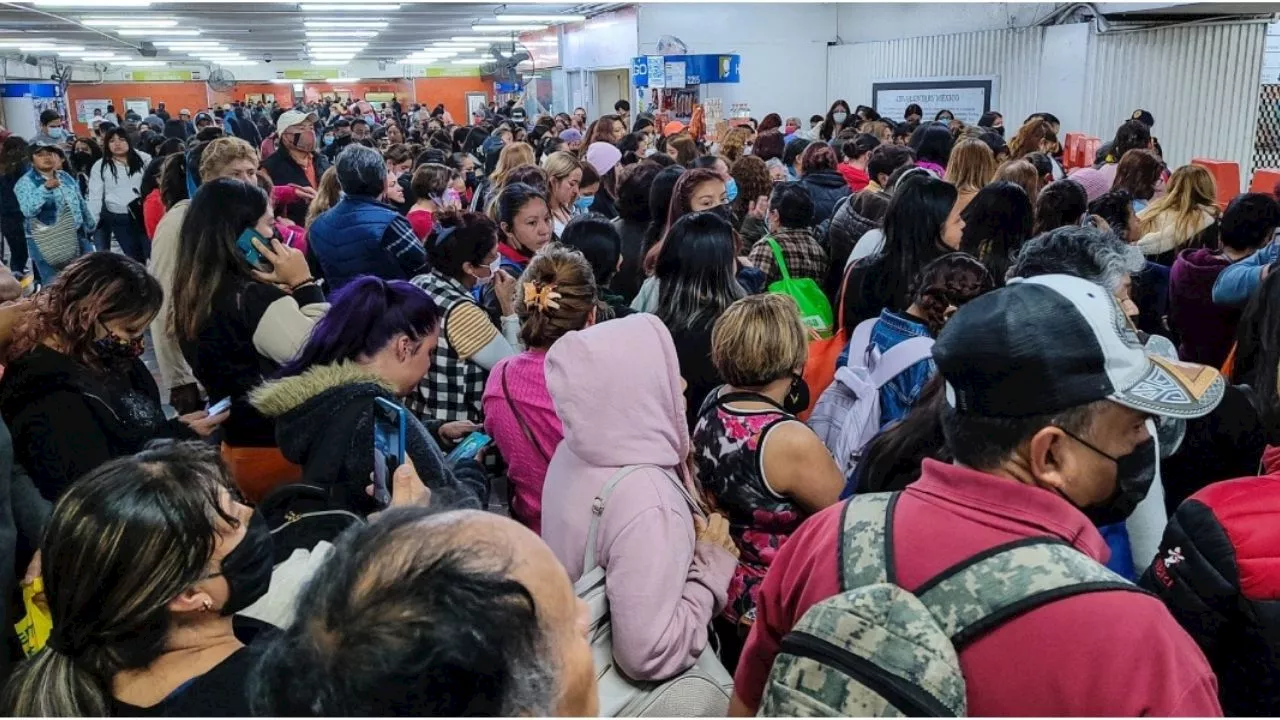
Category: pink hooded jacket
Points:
column 616, row 388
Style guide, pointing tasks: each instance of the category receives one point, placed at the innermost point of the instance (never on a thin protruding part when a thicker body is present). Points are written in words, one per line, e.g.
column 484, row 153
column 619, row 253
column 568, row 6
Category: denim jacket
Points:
column 1237, row 283
column 40, row 203
column 898, row 395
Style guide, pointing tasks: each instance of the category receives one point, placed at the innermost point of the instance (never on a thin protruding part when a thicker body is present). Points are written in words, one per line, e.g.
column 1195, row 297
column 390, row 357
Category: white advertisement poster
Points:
column 966, row 98
column 85, row 108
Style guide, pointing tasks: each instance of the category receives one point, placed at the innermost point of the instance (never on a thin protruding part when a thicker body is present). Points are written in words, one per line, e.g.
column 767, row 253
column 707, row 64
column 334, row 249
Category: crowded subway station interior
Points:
column 365, row 358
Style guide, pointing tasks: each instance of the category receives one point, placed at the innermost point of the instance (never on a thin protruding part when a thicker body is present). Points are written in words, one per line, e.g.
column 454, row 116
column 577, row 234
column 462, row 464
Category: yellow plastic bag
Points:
column 33, row 629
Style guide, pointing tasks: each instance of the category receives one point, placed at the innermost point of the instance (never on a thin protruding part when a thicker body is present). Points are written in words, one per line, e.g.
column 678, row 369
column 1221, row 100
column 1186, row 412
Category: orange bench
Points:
column 1226, row 175
column 1265, row 180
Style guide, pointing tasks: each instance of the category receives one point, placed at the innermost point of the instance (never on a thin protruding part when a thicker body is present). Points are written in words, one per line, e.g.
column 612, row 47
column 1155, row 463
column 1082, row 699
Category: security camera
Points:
column 266, row 57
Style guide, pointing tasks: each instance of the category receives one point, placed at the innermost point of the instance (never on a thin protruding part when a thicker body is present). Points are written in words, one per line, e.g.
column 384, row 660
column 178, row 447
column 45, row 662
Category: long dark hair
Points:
column 912, row 239
column 173, row 180
column 132, row 158
column 828, row 129
column 661, row 194
column 14, row 155
column 123, row 542
column 996, row 223
column 891, row 461
column 1061, row 203
column 207, row 256
column 932, row 143
column 1258, row 349
column 695, row 271
column 97, row 288
column 365, row 315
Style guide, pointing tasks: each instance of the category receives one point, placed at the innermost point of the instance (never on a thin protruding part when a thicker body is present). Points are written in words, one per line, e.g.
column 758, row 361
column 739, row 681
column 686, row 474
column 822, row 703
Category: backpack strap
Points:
column 860, row 341
column 980, row 594
column 898, row 358
column 866, row 540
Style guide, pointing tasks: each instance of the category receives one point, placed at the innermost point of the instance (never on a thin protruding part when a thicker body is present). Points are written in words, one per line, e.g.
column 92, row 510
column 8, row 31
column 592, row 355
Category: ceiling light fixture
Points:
column 189, row 43
column 341, row 33
column 144, row 32
column 459, row 45
column 513, row 18
column 320, row 45
column 469, row 61
column 489, row 27
column 321, row 24
column 49, row 48
column 93, row 4
column 348, row 7
column 139, row 63
column 236, row 63
column 127, row 23
column 484, row 38
column 342, row 81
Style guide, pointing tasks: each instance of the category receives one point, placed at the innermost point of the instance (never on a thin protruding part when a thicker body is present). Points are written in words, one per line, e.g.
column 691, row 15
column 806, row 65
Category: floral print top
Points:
column 727, row 444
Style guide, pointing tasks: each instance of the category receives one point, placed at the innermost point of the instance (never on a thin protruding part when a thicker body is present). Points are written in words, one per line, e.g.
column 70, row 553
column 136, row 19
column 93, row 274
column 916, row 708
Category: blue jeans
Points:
column 45, row 272
column 133, row 241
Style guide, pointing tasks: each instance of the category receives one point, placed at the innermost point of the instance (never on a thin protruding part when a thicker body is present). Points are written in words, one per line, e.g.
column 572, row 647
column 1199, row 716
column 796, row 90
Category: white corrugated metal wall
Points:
column 1200, row 82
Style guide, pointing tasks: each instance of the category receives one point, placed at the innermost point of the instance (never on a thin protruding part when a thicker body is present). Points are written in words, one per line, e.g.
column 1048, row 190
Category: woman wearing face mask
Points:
column 564, row 176
column 759, row 346
column 377, row 341
column 838, row 118
column 432, row 186
column 146, row 562
column 84, row 153
column 113, row 194
column 464, row 253
column 75, row 392
column 238, row 317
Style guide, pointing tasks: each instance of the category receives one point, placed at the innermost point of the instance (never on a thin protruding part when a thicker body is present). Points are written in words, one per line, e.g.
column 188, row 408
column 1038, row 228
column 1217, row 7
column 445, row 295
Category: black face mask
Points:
column 724, row 211
column 999, row 130
column 248, row 567
column 1135, row 473
column 797, row 399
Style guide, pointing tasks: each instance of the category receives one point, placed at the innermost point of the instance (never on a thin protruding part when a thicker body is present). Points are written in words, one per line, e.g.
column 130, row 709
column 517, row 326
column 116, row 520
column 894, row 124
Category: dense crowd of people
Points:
column 537, row 416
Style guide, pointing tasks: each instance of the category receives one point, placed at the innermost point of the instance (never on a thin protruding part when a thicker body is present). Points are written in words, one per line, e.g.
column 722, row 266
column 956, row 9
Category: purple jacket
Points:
column 1207, row 330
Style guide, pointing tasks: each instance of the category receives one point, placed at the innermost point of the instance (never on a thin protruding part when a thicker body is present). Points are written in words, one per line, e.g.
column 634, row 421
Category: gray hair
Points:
column 772, row 163
column 362, row 171
column 1084, row 252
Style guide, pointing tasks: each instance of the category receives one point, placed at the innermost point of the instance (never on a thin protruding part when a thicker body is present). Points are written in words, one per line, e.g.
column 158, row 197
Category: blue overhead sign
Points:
column 663, row 71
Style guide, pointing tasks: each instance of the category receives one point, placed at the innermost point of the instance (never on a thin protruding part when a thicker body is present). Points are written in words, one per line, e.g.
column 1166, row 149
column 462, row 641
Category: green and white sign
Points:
column 159, row 75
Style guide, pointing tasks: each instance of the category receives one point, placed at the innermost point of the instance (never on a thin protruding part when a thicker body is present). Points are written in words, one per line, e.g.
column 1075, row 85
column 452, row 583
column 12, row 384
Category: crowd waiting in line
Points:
column 852, row 416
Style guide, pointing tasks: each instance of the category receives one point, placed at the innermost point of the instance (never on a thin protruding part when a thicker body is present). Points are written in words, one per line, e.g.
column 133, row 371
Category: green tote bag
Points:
column 815, row 310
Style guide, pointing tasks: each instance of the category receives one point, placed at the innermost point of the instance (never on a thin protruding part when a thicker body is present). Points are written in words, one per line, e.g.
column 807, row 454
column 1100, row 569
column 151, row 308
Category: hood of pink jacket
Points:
column 617, row 390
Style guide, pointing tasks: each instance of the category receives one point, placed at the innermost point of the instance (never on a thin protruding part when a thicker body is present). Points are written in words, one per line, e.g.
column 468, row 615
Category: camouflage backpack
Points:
column 877, row 650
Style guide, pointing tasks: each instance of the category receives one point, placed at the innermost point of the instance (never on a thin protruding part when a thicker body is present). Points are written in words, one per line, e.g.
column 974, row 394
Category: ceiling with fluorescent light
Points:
column 232, row 34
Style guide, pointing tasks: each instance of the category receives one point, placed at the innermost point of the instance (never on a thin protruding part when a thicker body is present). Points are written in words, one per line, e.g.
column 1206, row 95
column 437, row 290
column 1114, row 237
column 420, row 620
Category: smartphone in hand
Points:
column 470, row 446
column 245, row 245
column 389, row 422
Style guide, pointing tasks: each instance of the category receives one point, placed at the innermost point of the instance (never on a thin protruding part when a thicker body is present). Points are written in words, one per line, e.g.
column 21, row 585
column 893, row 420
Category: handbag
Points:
column 524, row 427
column 815, row 309
column 58, row 243
column 824, row 353
column 701, row 691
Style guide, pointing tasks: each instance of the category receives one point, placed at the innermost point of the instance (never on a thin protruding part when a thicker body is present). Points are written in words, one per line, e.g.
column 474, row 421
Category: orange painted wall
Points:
column 452, row 92
column 175, row 95
column 284, row 91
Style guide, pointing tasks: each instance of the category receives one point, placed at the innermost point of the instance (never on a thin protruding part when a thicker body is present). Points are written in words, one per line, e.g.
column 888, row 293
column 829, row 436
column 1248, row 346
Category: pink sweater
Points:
column 617, row 390
column 527, row 381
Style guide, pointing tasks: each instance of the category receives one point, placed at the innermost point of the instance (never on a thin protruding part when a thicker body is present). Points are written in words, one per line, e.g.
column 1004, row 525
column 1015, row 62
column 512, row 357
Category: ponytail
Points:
column 557, row 295
column 52, row 684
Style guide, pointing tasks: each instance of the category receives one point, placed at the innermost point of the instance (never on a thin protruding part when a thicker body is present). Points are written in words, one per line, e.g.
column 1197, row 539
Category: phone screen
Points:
column 469, row 447
column 388, row 446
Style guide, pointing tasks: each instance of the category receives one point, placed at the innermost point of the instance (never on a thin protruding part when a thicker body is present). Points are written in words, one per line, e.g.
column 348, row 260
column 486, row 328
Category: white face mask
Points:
column 494, row 267
column 840, row 117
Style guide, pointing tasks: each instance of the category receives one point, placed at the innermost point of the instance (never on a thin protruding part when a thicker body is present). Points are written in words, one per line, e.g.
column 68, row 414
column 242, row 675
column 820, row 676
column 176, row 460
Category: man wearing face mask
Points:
column 52, row 130
column 300, row 164
column 362, row 234
column 1049, row 400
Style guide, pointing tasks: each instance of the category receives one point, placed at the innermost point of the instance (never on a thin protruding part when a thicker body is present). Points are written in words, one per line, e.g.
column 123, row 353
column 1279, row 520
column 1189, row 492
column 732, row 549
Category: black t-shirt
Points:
column 221, row 692
column 693, row 349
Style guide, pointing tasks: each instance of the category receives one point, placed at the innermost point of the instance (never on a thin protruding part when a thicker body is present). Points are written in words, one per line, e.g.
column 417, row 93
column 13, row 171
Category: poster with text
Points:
column 966, row 98
column 85, row 108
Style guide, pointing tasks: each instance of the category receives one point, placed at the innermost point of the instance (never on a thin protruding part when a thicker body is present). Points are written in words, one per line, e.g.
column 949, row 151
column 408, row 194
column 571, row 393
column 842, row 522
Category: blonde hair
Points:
column 557, row 295
column 222, row 152
column 735, row 141
column 514, row 155
column 1192, row 192
column 1023, row 173
column 326, row 195
column 972, row 165
column 558, row 167
column 759, row 339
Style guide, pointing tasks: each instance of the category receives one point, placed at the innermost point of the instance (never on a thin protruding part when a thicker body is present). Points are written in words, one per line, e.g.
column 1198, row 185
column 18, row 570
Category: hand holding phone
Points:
column 219, row 407
column 469, row 448
column 389, row 423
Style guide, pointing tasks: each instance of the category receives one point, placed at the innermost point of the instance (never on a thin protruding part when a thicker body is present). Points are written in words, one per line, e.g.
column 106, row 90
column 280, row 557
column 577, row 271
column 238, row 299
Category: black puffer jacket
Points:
column 847, row 228
column 826, row 188
column 1218, row 571
column 324, row 422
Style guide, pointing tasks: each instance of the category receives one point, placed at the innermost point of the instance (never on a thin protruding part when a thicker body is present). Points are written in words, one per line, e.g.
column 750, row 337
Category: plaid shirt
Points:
column 453, row 388
column 804, row 257
column 402, row 242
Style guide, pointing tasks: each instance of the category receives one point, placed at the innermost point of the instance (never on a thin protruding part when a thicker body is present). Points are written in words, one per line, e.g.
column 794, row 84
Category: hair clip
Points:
column 543, row 298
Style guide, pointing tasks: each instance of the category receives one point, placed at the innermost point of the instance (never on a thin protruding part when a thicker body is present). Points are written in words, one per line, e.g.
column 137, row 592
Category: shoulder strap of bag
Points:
column 983, row 592
column 866, row 541
column 900, row 357
column 844, row 282
column 524, row 427
column 861, row 340
column 777, row 257
column 589, row 561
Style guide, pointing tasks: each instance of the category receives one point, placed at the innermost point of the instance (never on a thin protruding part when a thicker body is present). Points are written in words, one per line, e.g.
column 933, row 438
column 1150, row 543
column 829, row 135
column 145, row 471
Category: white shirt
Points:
column 871, row 243
column 115, row 192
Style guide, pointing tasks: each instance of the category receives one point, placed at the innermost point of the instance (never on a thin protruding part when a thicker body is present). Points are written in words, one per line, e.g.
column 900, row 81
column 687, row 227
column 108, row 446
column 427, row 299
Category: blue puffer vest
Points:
column 347, row 240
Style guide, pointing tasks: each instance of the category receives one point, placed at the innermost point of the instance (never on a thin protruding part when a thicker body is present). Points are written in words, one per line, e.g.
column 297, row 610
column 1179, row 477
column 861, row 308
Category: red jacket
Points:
column 1218, row 571
column 857, row 179
column 152, row 210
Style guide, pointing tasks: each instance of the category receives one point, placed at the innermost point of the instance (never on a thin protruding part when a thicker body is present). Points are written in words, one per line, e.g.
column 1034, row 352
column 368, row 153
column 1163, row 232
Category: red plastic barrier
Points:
column 1226, row 175
column 1265, row 180
column 1071, row 149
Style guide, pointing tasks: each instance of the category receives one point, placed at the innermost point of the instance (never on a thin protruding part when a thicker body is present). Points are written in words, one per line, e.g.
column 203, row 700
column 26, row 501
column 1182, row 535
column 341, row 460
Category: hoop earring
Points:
column 208, row 606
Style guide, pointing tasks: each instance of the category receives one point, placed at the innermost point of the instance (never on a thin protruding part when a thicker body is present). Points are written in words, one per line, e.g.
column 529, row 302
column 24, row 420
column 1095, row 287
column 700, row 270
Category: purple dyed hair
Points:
column 364, row 316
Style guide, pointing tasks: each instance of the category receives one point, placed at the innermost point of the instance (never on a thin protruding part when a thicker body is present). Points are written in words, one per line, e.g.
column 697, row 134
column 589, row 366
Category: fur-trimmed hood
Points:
column 277, row 397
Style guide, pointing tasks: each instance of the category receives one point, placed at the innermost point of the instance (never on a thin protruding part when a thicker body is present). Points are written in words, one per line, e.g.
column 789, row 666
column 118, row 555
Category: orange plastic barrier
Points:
column 1265, row 180
column 1226, row 175
column 1088, row 149
column 1071, row 149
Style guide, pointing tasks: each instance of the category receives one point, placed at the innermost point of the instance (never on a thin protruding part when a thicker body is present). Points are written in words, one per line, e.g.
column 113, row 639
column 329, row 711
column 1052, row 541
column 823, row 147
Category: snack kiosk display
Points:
column 676, row 85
